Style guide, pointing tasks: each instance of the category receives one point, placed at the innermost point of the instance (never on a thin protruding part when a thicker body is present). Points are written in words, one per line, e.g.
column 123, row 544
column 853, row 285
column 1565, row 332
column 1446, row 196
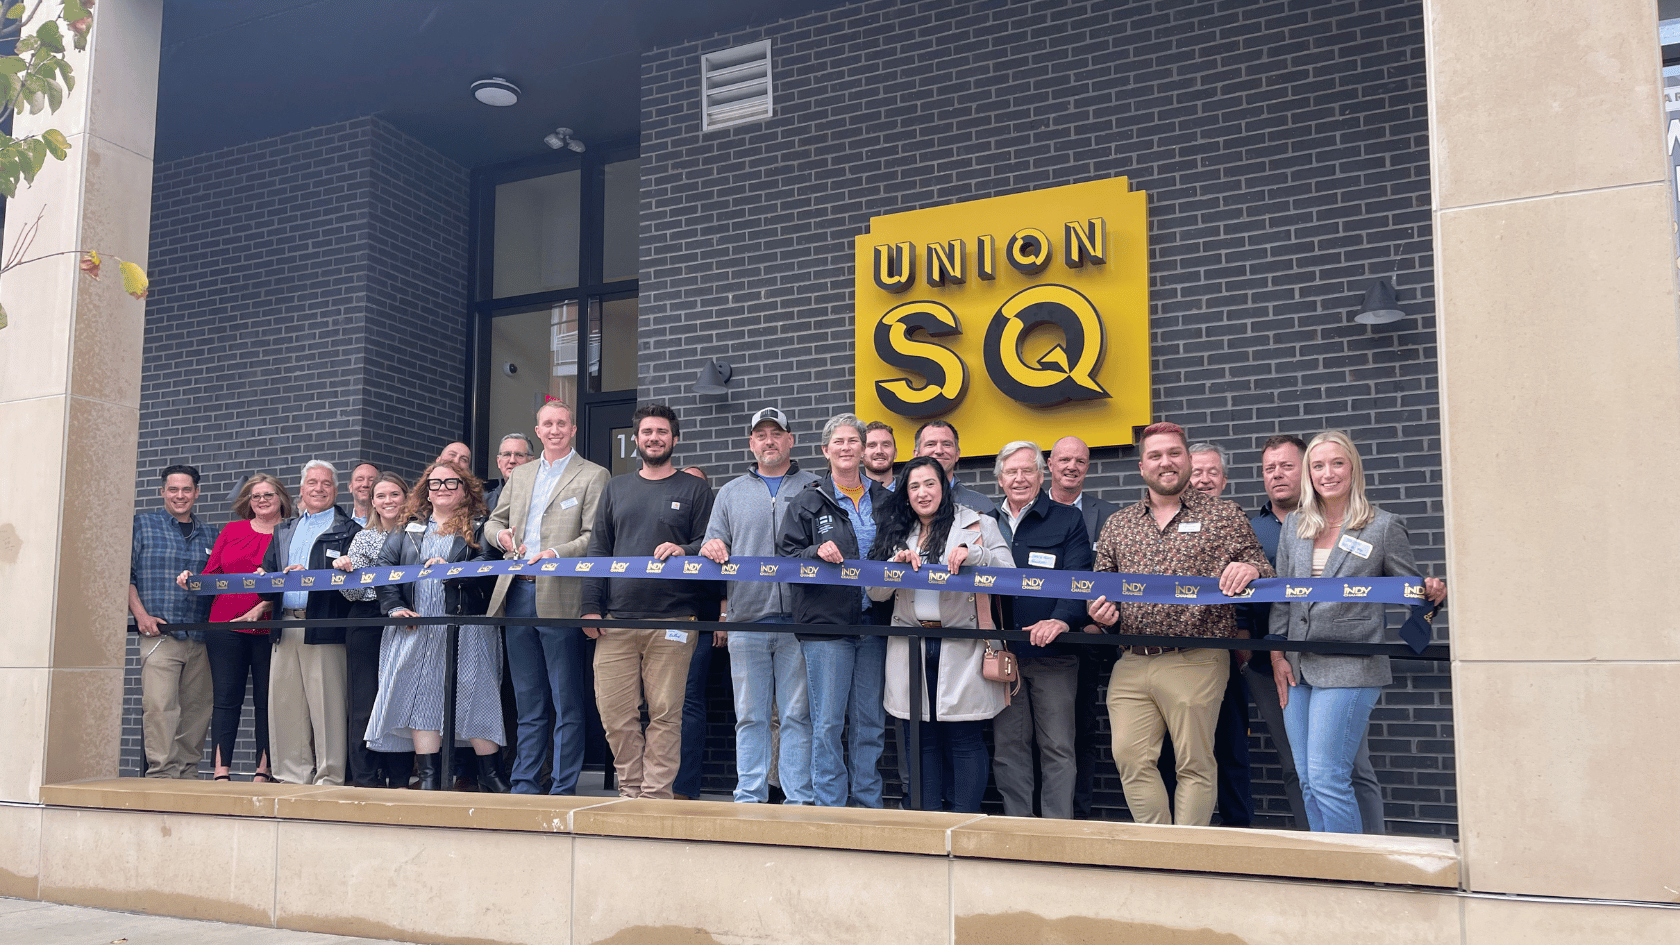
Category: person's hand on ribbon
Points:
column 715, row 550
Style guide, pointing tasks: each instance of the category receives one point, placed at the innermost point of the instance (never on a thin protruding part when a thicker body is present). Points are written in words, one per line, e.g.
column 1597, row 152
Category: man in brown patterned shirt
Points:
column 1154, row 689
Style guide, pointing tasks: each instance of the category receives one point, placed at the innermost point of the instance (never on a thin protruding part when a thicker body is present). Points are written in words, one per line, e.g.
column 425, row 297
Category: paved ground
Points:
column 23, row 922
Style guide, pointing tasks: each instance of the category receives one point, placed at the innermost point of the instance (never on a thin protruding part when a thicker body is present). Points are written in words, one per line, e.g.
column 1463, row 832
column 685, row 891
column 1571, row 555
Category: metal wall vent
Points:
column 735, row 85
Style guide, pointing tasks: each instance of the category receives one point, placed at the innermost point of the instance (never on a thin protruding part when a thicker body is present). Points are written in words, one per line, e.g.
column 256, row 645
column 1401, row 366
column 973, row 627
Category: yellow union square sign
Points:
column 1016, row 317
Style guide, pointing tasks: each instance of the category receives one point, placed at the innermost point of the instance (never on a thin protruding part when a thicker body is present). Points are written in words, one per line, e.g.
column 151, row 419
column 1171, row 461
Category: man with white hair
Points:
column 307, row 700
column 1051, row 536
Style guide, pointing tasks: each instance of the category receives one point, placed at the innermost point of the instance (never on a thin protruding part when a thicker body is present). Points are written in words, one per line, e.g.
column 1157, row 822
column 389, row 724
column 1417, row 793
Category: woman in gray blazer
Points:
column 1327, row 700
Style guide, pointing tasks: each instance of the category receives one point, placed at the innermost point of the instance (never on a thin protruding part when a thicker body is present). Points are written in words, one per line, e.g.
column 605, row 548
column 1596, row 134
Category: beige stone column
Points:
column 69, row 422
column 1560, row 388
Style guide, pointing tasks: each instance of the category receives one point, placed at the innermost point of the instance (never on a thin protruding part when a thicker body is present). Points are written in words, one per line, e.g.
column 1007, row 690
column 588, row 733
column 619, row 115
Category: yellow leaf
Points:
column 134, row 279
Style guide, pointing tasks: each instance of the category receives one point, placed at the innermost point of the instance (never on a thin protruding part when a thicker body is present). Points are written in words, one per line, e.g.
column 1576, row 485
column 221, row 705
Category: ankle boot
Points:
column 489, row 779
column 426, row 770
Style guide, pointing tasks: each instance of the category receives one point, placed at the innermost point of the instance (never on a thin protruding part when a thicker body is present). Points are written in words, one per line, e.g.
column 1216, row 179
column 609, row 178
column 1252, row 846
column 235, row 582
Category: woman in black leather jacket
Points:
column 445, row 525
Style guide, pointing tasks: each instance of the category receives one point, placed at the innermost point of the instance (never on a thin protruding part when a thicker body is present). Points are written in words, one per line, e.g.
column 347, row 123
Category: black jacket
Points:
column 464, row 596
column 327, row 604
column 813, row 517
column 1051, row 536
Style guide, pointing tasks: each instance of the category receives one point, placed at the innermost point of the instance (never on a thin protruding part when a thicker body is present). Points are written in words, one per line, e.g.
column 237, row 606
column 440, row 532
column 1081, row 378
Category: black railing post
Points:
column 913, row 739
column 446, row 753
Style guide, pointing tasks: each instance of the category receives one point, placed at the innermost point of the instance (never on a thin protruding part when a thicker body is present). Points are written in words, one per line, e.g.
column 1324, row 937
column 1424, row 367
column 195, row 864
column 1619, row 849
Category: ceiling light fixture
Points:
column 496, row 91
column 561, row 139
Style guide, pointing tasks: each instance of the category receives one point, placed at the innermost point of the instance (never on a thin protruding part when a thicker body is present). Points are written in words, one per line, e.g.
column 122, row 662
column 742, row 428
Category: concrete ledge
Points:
column 833, row 828
column 1285, row 853
column 171, row 796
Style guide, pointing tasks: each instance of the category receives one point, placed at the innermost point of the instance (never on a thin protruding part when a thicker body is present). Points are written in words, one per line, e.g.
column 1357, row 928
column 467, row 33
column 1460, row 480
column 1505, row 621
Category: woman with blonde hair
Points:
column 444, row 524
column 366, row 767
column 240, row 653
column 1327, row 699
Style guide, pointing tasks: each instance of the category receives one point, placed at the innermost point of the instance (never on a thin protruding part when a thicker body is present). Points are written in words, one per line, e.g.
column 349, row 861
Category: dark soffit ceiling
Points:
column 233, row 71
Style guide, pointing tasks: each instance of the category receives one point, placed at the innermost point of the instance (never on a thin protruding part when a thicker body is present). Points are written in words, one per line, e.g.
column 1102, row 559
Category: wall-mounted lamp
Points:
column 1379, row 307
column 496, row 91
column 561, row 139
column 714, row 378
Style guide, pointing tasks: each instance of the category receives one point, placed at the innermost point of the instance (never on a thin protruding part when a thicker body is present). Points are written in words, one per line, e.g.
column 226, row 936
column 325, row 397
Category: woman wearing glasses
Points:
column 238, row 653
column 369, row 768
column 444, row 524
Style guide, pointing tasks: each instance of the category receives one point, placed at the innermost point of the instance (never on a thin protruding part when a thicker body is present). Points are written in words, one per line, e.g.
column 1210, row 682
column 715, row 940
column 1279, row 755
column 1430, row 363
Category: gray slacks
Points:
column 1042, row 709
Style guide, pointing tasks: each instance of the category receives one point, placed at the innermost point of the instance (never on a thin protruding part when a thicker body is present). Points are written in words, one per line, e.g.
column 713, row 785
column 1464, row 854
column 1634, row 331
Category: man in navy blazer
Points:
column 1042, row 534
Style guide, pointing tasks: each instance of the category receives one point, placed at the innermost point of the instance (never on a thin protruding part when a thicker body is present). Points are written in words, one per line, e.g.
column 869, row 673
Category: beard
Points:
column 1155, row 486
column 650, row 458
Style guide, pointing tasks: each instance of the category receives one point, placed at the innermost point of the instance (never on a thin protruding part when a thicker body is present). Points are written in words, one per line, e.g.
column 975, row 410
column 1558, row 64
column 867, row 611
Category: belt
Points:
column 294, row 613
column 931, row 623
column 524, row 577
column 1155, row 650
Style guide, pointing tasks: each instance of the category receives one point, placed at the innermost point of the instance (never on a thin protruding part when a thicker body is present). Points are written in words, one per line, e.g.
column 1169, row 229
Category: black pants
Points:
column 234, row 657
column 365, row 767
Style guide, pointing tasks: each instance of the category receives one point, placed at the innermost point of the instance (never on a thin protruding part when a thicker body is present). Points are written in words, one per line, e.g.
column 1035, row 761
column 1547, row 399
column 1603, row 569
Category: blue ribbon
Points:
column 1028, row 582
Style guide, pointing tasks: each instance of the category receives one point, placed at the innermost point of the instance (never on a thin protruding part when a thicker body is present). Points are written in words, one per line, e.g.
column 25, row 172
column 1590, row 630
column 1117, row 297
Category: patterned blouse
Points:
column 364, row 551
column 1203, row 537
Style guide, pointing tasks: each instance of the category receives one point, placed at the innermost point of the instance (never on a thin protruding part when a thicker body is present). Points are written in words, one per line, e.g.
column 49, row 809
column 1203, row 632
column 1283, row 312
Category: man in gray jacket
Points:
column 764, row 666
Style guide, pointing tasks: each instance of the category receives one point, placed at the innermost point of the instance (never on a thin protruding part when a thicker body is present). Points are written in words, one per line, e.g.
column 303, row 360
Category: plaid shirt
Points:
column 1202, row 538
column 160, row 553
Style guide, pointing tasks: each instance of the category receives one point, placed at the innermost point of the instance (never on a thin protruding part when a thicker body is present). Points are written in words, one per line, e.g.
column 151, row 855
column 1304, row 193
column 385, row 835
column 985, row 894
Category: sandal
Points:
column 262, row 777
column 222, row 777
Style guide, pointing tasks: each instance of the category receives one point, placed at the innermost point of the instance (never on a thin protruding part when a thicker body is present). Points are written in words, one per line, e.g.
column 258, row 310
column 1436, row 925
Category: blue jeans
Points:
column 846, row 678
column 550, row 667
column 1326, row 727
column 693, row 764
column 768, row 671
column 954, row 763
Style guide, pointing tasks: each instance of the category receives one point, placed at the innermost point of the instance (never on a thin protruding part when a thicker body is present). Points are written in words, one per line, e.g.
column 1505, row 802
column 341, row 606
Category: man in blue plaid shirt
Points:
column 175, row 688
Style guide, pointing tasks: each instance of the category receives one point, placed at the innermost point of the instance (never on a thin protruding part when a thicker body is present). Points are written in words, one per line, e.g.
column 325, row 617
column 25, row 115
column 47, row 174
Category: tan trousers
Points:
column 630, row 666
column 1148, row 696
column 307, row 709
column 175, row 696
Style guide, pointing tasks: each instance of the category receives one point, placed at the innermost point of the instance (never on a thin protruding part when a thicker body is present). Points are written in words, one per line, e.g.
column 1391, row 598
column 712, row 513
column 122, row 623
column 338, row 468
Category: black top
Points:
column 637, row 515
column 1051, row 536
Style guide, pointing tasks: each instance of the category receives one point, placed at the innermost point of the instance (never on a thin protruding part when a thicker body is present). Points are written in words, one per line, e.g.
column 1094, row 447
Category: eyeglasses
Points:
column 443, row 485
column 255, row 496
column 519, row 455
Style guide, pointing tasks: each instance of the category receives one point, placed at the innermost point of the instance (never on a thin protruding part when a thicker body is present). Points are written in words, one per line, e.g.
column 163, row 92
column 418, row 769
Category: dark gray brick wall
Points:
column 1283, row 147
column 308, row 300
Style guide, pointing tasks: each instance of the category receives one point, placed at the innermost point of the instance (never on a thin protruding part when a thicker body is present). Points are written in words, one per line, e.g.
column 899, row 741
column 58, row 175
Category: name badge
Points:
column 1189, row 526
column 568, row 502
column 209, row 551
column 416, row 527
column 1354, row 546
column 1041, row 559
column 676, row 506
column 677, row 636
column 333, row 553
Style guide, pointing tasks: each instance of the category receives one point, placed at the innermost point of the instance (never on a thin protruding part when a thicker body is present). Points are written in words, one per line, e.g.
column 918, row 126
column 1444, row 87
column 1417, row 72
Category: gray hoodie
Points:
column 746, row 519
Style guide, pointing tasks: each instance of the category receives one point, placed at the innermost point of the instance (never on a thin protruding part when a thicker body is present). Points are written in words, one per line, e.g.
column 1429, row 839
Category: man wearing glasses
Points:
column 307, row 698
column 516, row 450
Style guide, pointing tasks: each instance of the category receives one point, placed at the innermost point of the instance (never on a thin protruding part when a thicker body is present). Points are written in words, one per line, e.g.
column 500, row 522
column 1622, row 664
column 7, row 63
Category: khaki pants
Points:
column 1177, row 693
column 630, row 666
column 307, row 709
column 175, row 695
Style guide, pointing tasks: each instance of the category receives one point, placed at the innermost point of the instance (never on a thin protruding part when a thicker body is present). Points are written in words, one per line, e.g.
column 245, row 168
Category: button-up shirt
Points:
column 547, row 475
column 862, row 516
column 1202, row 537
column 160, row 552
column 310, row 525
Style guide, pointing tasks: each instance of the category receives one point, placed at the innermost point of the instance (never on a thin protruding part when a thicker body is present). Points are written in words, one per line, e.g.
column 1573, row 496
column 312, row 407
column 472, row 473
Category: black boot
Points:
column 426, row 770
column 489, row 779
column 399, row 766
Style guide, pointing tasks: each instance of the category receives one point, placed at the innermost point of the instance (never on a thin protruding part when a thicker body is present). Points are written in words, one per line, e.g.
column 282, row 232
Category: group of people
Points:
column 365, row 705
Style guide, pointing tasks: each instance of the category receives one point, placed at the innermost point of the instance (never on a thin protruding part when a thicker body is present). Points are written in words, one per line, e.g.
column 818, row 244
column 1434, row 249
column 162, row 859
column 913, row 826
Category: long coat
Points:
column 566, row 524
column 1335, row 621
column 964, row 695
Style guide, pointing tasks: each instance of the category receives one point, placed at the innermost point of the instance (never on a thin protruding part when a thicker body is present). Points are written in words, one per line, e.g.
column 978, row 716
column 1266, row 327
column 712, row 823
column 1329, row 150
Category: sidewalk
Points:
column 23, row 922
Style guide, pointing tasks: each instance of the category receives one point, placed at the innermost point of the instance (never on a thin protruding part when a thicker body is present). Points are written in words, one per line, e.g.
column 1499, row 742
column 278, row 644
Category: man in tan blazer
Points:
column 547, row 510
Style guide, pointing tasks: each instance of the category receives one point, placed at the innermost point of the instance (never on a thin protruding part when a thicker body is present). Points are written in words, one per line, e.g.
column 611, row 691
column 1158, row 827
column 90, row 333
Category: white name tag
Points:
column 332, row 553
column 1354, row 546
column 676, row 506
column 1041, row 559
column 1189, row 526
column 416, row 527
column 568, row 502
column 209, row 551
column 677, row 636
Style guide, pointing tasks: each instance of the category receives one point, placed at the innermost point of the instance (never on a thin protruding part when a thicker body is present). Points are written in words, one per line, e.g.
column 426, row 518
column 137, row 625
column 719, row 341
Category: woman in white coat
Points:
column 922, row 524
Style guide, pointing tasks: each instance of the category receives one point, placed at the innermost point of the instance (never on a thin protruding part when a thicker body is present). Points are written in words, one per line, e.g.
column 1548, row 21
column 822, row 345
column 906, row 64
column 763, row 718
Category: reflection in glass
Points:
column 537, row 229
column 612, row 344
column 533, row 356
column 619, row 242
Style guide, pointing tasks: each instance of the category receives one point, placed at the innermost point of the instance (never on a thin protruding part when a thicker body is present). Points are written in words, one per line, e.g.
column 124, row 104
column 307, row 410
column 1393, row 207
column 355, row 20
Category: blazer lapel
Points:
column 571, row 470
